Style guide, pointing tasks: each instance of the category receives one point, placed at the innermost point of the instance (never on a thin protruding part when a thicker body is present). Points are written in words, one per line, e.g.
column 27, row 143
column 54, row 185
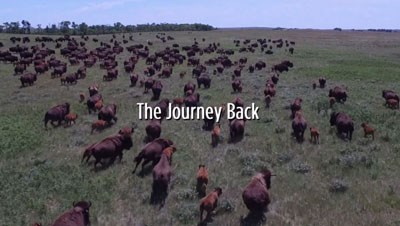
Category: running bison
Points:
column 56, row 113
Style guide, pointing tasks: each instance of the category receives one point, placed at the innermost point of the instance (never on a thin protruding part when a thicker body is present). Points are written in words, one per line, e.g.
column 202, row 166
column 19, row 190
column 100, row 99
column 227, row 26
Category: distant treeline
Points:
column 72, row 28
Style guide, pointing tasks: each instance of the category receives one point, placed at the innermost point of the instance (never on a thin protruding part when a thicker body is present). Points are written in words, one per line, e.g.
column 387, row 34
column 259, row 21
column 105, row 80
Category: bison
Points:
column 314, row 135
column 343, row 122
column 339, row 94
column 110, row 147
column 56, row 113
column 299, row 125
column 107, row 113
column 91, row 102
column 77, row 216
column 368, row 130
column 202, row 180
column 99, row 125
column 153, row 130
column 236, row 129
column 215, row 135
column 28, row 78
column 151, row 152
column 162, row 173
column 256, row 196
column 209, row 203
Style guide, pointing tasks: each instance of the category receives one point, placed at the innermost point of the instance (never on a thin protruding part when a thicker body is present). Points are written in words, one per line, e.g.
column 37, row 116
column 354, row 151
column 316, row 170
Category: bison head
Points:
column 218, row 190
column 267, row 177
column 83, row 206
column 333, row 118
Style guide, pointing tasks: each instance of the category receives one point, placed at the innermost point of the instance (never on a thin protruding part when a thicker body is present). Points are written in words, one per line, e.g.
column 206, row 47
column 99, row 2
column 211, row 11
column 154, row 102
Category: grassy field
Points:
column 41, row 174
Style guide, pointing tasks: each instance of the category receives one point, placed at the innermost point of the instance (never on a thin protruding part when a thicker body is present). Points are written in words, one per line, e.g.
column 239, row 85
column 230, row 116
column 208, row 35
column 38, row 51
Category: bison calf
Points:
column 202, row 180
column 209, row 203
column 99, row 125
column 368, row 130
column 70, row 118
column 314, row 135
column 215, row 135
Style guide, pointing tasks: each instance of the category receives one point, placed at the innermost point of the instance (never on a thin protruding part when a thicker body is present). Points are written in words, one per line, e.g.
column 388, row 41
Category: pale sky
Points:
column 322, row 14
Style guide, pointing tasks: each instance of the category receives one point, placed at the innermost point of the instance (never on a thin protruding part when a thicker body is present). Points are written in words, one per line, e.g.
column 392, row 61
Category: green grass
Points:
column 41, row 174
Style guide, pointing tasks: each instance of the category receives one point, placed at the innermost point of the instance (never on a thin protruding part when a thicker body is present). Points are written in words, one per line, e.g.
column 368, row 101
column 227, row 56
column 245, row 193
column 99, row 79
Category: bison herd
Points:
column 161, row 65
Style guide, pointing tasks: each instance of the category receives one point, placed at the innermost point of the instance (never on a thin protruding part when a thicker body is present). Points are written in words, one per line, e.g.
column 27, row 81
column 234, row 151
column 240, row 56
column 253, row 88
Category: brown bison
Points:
column 299, row 125
column 178, row 102
column 215, row 135
column 99, row 125
column 209, row 203
column 107, row 113
column 56, row 113
column 81, row 97
column 314, row 135
column 28, row 78
column 236, row 129
column 70, row 118
column 151, row 152
column 162, row 172
column 368, row 130
column 343, row 122
column 205, row 80
column 339, row 94
column 94, row 89
column 202, row 180
column 77, row 216
column 332, row 101
column 256, row 195
column 110, row 147
column 156, row 88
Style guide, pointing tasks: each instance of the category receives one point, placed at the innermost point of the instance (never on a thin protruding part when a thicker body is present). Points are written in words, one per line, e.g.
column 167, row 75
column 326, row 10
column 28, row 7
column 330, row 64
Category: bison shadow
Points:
column 146, row 170
column 234, row 140
column 158, row 197
column 253, row 219
column 103, row 164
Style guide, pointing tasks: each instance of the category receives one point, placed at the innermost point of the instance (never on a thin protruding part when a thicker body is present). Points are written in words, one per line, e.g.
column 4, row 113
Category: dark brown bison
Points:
column 110, row 147
column 389, row 94
column 236, row 129
column 151, row 152
column 19, row 69
column 295, row 106
column 270, row 90
column 28, row 78
column 156, row 89
column 189, row 86
column 322, row 82
column 153, row 130
column 343, row 122
column 148, row 84
column 256, row 195
column 77, row 216
column 107, row 113
column 91, row 102
column 339, row 94
column 93, row 90
column 56, row 113
column 237, row 86
column 134, row 78
column 204, row 79
column 162, row 173
column 192, row 100
column 299, row 126
column 209, row 203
